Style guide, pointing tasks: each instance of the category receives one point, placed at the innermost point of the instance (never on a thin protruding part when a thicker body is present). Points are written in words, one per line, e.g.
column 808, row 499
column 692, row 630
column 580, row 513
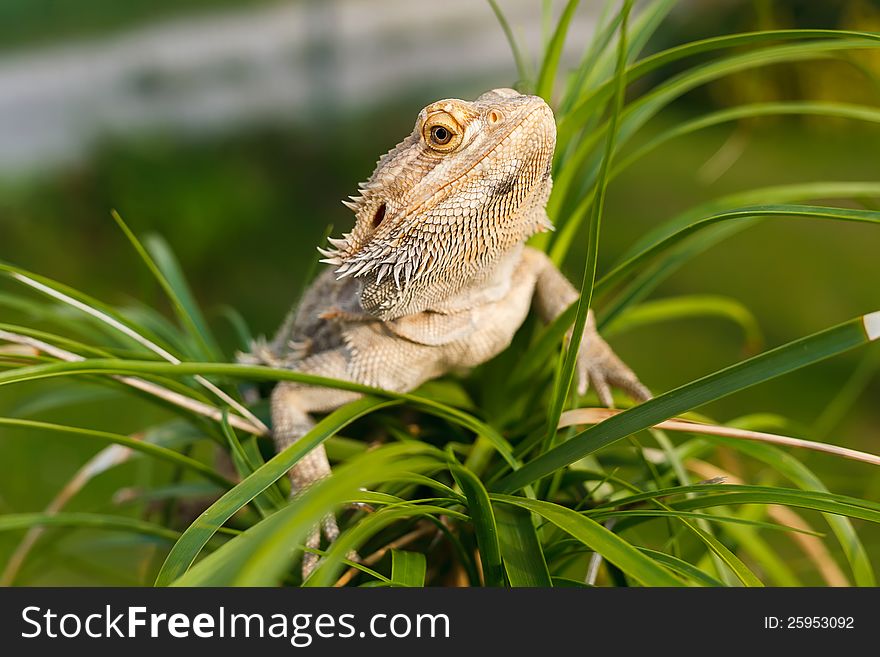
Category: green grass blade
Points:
column 722, row 555
column 522, row 65
column 716, row 494
column 239, row 459
column 23, row 521
column 772, row 565
column 112, row 320
column 263, row 554
column 169, row 267
column 550, row 65
column 647, row 514
column 257, row 373
column 721, row 551
column 686, row 307
column 104, row 315
column 156, row 451
column 763, row 367
column 486, row 528
column 407, row 568
column 588, row 104
column 244, row 335
column 64, row 397
column 56, row 340
column 796, row 498
column 599, row 539
column 791, row 468
column 640, row 111
column 185, row 551
column 793, row 108
column 566, row 372
column 521, row 550
column 798, row 193
column 682, row 567
column 255, row 461
column 643, row 26
column 354, row 537
column 180, row 309
column 650, row 277
column 269, row 500
column 840, row 406
column 602, row 36
column 740, row 214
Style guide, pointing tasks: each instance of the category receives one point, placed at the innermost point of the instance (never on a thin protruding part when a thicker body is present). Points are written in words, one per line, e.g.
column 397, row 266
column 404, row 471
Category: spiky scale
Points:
column 380, row 274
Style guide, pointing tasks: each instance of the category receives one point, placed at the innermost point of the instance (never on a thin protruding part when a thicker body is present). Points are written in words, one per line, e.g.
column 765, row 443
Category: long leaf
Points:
column 640, row 69
column 685, row 307
column 791, row 108
column 803, row 477
column 522, row 66
column 566, row 372
column 20, row 521
column 599, row 539
column 185, row 551
column 407, row 568
column 549, row 68
column 100, row 312
column 196, row 328
column 739, row 214
column 168, row 265
column 156, row 451
column 682, row 567
column 355, row 536
column 521, row 550
column 763, row 367
column 639, row 112
column 650, row 277
column 257, row 373
column 261, row 555
column 485, row 526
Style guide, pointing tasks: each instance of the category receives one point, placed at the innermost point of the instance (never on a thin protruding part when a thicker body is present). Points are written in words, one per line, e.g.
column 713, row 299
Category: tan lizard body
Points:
column 435, row 274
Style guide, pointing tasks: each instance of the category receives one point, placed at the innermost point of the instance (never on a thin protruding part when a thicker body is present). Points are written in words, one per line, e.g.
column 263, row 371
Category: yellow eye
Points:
column 441, row 135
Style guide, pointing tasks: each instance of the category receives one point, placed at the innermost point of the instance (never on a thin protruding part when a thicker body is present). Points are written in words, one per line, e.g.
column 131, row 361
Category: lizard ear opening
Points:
column 379, row 217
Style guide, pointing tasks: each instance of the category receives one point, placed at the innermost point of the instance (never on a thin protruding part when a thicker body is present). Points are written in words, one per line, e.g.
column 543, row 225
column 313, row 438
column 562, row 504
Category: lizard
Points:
column 435, row 274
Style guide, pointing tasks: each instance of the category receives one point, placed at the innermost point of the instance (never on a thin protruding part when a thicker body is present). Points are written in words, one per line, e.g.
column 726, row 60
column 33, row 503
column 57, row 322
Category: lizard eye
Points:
column 441, row 133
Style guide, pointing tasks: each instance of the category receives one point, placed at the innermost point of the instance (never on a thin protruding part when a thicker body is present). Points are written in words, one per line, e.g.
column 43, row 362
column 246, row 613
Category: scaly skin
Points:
column 435, row 274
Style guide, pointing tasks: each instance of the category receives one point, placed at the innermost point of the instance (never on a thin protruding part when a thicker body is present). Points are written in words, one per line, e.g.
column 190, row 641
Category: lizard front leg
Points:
column 292, row 405
column 597, row 364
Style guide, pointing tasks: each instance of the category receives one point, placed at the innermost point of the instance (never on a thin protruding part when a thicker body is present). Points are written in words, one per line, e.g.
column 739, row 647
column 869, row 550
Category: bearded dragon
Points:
column 435, row 274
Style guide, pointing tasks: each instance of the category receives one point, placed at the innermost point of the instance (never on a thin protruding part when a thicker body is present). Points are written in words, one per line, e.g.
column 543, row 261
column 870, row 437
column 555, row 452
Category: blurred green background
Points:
column 233, row 129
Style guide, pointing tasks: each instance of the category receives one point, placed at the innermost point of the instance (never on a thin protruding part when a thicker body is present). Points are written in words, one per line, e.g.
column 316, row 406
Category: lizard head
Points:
column 443, row 206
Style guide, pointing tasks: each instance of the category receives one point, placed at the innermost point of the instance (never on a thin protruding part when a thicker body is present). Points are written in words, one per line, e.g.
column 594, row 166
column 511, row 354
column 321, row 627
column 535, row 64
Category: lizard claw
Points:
column 331, row 530
column 599, row 366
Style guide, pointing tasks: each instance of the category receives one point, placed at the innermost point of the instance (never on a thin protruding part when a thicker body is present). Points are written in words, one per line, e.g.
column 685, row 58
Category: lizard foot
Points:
column 330, row 530
column 600, row 367
column 263, row 353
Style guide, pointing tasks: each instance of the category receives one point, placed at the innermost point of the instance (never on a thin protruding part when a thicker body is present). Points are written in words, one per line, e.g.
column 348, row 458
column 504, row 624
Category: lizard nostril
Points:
column 379, row 216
